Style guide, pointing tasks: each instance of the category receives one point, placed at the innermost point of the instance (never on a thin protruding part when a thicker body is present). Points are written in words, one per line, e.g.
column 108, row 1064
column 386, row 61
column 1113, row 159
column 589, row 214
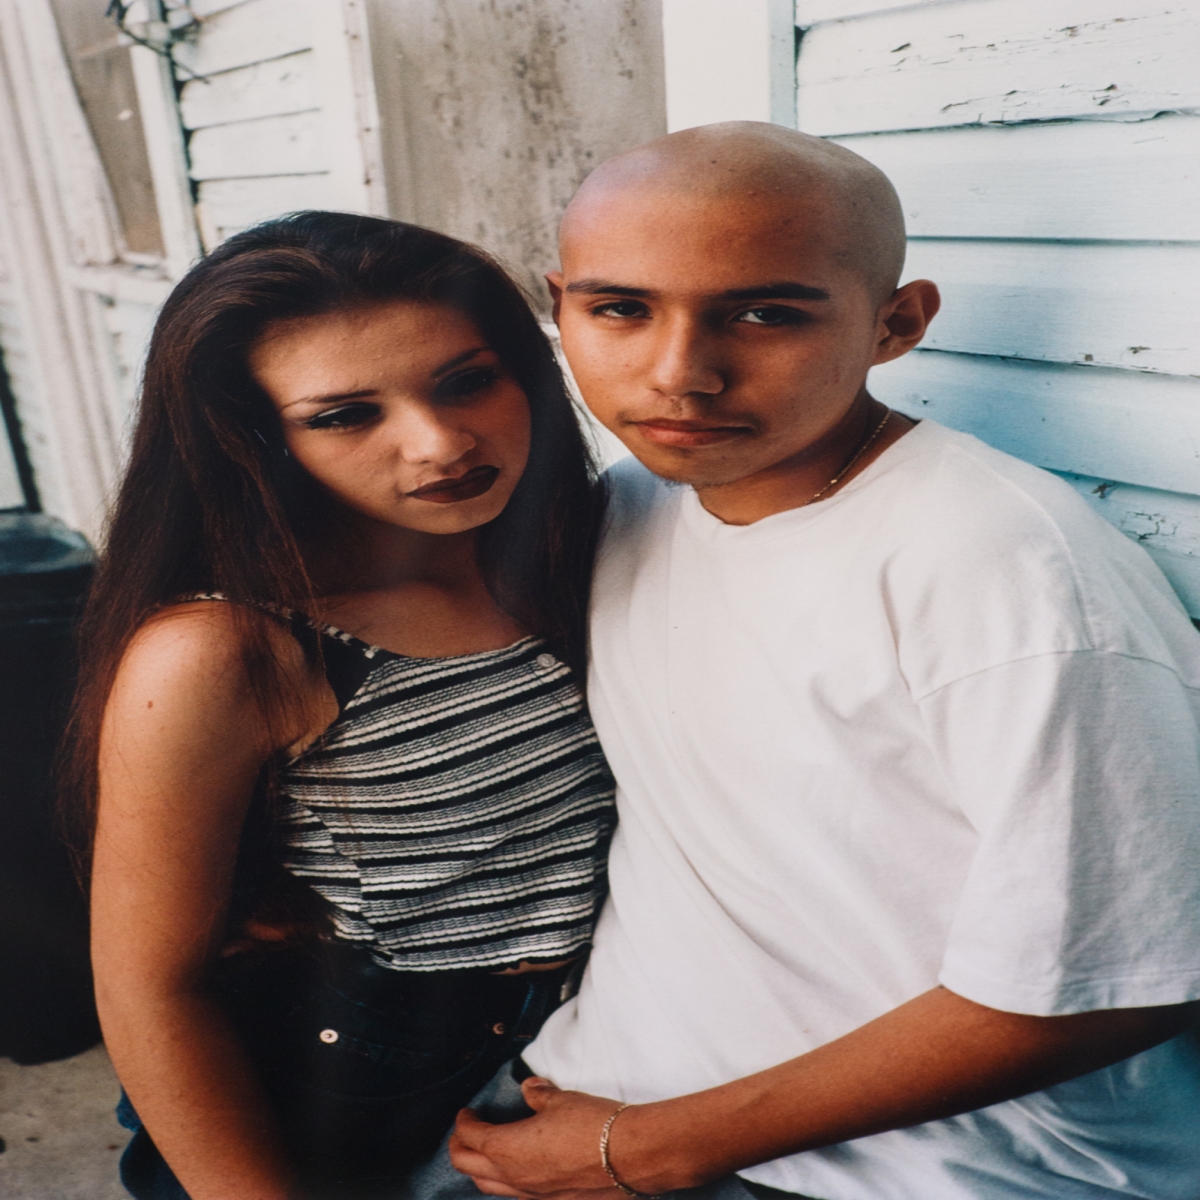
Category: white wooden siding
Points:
column 1047, row 154
column 1111, row 304
column 277, row 115
column 977, row 61
column 264, row 89
column 251, row 32
column 1078, row 180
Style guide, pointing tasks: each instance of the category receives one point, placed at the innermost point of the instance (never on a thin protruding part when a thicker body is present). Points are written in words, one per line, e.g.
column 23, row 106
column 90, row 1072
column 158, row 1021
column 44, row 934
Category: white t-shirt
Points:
column 941, row 727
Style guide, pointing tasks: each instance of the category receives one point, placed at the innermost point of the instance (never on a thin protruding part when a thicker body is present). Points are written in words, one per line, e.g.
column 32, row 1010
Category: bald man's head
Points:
column 767, row 167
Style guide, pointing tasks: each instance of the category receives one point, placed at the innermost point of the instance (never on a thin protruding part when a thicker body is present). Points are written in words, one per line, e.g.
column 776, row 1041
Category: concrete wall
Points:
column 493, row 111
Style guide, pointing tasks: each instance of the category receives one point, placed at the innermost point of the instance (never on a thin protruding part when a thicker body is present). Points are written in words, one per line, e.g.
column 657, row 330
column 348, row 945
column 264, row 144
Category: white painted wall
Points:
column 729, row 60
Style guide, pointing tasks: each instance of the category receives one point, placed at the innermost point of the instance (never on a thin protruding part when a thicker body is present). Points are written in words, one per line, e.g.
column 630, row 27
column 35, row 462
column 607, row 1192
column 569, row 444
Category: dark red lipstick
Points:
column 473, row 483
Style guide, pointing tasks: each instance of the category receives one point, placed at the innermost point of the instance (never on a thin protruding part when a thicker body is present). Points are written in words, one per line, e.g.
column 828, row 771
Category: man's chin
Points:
column 690, row 469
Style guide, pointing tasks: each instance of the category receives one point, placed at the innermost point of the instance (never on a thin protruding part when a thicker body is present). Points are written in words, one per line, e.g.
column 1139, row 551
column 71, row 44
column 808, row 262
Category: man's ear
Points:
column 905, row 318
column 554, row 281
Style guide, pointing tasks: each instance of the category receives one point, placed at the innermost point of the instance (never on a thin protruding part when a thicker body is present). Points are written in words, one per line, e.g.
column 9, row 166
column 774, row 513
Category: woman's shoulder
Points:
column 208, row 637
column 204, row 661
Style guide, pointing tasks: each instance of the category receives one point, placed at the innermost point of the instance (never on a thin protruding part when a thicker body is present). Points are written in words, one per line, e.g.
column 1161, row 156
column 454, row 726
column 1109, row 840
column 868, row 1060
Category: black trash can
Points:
column 46, row 1005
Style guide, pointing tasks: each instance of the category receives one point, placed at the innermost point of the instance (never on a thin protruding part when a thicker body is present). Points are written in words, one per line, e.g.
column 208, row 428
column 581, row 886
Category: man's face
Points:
column 717, row 338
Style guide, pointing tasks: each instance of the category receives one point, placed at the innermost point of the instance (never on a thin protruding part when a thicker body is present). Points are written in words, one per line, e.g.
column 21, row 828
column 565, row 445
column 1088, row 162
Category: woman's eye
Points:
column 620, row 308
column 466, row 383
column 771, row 315
column 345, row 417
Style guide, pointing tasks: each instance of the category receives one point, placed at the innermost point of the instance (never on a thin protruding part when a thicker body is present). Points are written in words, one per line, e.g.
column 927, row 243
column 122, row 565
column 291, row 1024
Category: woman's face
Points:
column 400, row 410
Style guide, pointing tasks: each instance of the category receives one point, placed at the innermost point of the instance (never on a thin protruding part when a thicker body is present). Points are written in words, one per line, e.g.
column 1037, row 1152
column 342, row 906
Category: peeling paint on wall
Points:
column 495, row 110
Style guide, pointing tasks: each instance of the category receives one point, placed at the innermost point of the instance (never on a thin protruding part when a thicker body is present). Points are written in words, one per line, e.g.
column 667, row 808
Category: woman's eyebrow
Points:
column 457, row 361
column 332, row 398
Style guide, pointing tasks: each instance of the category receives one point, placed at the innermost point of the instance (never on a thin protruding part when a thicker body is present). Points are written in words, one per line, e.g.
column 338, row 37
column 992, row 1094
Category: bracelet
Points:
column 607, row 1164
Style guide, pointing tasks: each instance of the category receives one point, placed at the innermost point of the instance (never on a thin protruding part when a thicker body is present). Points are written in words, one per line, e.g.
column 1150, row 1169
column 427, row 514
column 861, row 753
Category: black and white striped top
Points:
column 457, row 813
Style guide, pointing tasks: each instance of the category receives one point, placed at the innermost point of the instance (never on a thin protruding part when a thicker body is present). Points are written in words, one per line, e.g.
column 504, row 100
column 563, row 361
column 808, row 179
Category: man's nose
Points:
column 686, row 360
column 425, row 434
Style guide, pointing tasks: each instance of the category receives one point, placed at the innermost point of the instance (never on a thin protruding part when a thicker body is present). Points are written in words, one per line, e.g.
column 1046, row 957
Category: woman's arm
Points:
column 182, row 744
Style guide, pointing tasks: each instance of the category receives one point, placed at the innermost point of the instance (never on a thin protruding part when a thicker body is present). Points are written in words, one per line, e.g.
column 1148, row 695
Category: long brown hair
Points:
column 210, row 501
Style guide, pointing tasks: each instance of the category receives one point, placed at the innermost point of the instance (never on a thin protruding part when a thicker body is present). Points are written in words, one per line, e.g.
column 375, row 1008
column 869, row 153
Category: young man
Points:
column 905, row 899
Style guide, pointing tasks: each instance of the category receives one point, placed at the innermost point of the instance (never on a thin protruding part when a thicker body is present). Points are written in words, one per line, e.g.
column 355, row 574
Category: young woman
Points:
column 347, row 816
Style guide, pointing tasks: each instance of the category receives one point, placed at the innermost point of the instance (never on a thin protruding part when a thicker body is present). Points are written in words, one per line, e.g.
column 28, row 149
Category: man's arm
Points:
column 936, row 1056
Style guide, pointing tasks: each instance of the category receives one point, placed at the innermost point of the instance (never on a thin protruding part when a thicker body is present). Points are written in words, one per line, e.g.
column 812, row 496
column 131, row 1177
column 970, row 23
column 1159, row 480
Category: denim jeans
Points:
column 500, row 1102
column 364, row 1067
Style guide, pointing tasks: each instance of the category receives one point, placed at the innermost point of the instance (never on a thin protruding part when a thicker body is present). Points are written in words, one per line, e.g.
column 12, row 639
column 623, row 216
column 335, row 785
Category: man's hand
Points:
column 555, row 1153
column 936, row 1056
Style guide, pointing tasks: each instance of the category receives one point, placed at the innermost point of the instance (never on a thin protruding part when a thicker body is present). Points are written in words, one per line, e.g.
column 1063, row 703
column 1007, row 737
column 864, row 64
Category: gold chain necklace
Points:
column 862, row 449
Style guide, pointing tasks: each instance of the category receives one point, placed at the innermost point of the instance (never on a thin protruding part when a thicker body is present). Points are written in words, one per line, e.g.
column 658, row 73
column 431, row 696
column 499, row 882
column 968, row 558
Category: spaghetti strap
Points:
column 345, row 659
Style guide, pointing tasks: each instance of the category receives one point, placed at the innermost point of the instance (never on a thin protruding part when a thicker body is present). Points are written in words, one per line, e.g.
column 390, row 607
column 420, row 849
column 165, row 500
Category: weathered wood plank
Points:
column 1121, row 425
column 288, row 145
column 809, row 12
column 129, row 326
column 1167, row 524
column 978, row 61
column 248, row 33
column 266, row 89
column 207, row 8
column 1110, row 305
column 226, row 206
column 1089, row 179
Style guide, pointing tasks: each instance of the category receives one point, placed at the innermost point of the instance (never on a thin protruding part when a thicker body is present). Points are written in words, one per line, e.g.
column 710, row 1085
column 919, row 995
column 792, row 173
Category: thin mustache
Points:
column 694, row 425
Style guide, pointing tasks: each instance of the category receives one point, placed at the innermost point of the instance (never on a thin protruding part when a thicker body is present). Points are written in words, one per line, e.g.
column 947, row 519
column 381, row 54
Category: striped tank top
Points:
column 457, row 812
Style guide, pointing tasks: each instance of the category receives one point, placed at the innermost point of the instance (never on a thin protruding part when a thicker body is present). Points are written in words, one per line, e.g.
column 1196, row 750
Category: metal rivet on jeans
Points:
column 499, row 1028
column 329, row 1036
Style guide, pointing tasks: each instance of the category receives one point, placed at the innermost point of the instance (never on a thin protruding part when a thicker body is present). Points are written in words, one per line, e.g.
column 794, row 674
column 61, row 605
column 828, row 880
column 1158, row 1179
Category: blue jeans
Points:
column 501, row 1102
column 364, row 1067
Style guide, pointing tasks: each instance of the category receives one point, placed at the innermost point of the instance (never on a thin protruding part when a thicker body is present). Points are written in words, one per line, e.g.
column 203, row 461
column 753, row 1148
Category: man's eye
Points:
column 345, row 417
column 771, row 315
column 620, row 308
column 466, row 383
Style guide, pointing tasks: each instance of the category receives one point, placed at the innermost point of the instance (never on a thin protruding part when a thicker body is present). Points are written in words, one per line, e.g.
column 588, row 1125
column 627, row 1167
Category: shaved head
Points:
column 794, row 176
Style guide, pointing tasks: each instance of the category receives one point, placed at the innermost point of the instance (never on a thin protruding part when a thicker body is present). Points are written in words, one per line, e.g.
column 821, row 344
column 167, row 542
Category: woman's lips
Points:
column 463, row 487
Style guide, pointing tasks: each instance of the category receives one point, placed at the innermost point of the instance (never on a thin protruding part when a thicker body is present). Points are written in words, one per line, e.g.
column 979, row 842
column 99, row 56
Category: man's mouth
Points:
column 474, row 483
column 663, row 432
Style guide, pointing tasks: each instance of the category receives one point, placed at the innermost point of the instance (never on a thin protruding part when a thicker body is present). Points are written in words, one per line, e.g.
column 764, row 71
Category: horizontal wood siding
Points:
column 267, row 147
column 978, row 61
column 265, row 89
column 1066, row 180
column 1047, row 154
column 247, row 34
column 251, row 105
column 1112, row 304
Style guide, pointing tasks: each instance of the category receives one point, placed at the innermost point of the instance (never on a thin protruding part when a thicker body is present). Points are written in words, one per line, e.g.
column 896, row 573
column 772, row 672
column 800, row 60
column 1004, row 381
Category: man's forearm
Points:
column 934, row 1057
